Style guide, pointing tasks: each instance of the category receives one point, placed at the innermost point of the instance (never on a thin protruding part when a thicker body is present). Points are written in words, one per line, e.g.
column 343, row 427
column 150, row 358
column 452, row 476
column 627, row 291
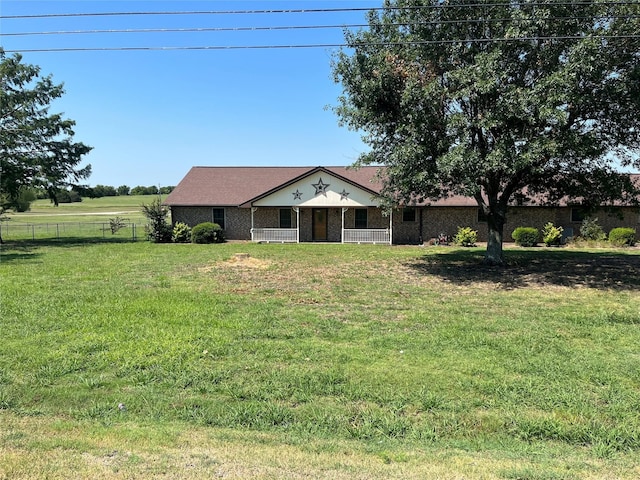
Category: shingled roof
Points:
column 234, row 186
column 237, row 186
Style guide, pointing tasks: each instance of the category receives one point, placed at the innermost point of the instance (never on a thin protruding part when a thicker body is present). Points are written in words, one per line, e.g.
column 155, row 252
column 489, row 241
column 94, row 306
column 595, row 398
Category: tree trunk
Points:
column 493, row 255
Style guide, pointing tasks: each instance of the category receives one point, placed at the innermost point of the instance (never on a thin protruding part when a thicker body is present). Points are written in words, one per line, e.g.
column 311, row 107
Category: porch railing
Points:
column 275, row 235
column 368, row 235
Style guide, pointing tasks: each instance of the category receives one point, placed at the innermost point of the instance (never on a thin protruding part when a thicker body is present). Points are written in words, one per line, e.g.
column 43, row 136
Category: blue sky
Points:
column 151, row 115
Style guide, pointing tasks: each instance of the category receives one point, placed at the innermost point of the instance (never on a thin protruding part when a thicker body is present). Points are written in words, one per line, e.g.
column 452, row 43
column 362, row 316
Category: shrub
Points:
column 68, row 196
column 551, row 235
column 207, row 232
column 591, row 230
column 116, row 224
column 466, row 237
column 158, row 230
column 526, row 236
column 181, row 233
column 622, row 237
column 24, row 199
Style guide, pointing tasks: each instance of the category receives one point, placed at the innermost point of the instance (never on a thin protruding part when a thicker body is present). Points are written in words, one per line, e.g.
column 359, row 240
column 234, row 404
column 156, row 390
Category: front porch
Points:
column 339, row 225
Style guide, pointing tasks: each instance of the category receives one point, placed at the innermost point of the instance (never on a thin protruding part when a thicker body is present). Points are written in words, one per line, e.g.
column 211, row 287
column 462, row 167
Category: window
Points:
column 361, row 218
column 285, row 218
column 482, row 217
column 408, row 214
column 218, row 216
column 578, row 214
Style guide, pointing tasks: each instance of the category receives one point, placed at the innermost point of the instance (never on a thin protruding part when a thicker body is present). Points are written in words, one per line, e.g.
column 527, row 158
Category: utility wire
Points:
column 321, row 10
column 308, row 27
column 318, row 45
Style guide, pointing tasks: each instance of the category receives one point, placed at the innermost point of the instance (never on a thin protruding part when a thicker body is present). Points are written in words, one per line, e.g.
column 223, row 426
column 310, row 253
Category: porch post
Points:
column 391, row 227
column 253, row 209
column 344, row 209
column 297, row 210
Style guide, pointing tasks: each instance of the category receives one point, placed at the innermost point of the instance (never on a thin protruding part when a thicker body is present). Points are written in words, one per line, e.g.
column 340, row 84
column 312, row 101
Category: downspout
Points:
column 391, row 226
column 420, row 239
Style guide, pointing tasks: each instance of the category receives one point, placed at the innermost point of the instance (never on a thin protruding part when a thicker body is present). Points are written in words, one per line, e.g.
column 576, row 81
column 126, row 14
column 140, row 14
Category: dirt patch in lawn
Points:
column 244, row 260
column 238, row 261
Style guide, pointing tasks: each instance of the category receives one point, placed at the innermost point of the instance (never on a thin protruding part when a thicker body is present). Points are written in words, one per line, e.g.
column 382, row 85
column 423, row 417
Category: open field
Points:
column 124, row 359
column 87, row 219
column 89, row 210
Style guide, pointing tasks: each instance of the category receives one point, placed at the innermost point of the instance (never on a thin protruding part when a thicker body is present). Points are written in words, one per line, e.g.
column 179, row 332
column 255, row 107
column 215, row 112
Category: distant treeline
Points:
column 76, row 194
column 108, row 191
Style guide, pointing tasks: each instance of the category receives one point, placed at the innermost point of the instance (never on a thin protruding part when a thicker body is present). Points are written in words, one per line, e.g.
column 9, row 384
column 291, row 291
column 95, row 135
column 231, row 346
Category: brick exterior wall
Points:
column 238, row 223
column 446, row 220
column 237, row 220
column 191, row 215
column 435, row 220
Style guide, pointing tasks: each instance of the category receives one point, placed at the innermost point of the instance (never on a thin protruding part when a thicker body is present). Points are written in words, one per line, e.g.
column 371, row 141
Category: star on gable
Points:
column 344, row 194
column 297, row 195
column 321, row 187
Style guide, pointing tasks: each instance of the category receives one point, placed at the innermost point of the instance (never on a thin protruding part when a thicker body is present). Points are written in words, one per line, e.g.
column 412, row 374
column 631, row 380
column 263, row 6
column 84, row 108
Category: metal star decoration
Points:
column 344, row 194
column 297, row 195
column 321, row 187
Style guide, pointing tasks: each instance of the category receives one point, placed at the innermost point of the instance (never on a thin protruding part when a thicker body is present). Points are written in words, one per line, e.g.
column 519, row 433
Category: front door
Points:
column 320, row 224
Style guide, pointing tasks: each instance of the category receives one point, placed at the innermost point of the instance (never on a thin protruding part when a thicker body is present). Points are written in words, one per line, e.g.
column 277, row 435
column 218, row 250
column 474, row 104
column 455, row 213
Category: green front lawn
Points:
column 344, row 360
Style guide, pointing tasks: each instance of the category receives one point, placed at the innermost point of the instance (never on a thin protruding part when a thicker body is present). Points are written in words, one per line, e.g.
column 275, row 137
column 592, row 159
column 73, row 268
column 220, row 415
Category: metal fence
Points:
column 10, row 230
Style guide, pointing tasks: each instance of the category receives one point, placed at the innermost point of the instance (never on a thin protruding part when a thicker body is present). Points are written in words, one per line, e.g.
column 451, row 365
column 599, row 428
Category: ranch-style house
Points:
column 341, row 204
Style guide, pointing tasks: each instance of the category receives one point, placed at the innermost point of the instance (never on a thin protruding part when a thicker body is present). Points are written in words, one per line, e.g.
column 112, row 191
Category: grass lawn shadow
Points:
column 17, row 253
column 21, row 250
column 606, row 270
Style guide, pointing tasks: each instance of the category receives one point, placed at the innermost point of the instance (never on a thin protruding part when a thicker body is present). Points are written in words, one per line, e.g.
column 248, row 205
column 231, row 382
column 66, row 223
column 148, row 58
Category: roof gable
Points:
column 320, row 187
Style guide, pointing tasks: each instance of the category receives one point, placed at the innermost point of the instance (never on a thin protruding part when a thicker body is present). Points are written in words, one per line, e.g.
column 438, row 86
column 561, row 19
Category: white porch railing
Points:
column 275, row 235
column 366, row 235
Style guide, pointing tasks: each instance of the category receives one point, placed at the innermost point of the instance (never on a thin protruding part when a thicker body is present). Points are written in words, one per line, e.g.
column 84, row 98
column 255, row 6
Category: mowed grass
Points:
column 317, row 361
column 89, row 210
column 79, row 220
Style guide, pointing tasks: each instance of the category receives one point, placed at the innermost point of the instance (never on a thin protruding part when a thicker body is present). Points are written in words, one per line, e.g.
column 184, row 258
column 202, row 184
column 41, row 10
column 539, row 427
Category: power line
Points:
column 180, row 30
column 318, row 10
column 323, row 45
column 308, row 27
column 485, row 20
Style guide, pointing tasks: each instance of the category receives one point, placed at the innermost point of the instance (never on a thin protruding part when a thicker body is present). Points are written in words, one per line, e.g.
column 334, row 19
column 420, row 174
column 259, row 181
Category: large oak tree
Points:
column 36, row 147
column 498, row 100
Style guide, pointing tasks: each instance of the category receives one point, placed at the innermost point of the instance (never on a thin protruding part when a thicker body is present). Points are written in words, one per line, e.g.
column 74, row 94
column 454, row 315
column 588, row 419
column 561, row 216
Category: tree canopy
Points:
column 36, row 147
column 499, row 101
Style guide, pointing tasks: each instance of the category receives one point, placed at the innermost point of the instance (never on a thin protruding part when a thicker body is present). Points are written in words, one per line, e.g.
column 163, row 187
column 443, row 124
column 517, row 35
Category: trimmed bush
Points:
column 466, row 237
column 526, row 236
column 207, row 232
column 591, row 230
column 551, row 235
column 181, row 233
column 622, row 237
